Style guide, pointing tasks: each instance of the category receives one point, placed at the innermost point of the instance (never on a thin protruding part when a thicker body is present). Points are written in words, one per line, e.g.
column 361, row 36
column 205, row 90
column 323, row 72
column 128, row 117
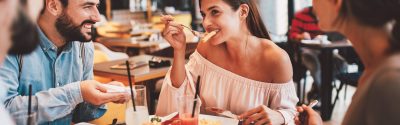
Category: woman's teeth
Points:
column 88, row 26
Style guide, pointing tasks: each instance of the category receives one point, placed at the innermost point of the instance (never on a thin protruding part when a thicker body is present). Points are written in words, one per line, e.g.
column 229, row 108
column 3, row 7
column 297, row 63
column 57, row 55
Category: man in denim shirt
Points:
column 59, row 69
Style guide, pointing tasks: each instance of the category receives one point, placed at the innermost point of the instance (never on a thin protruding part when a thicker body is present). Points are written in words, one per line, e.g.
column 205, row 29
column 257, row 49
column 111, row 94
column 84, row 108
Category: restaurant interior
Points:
column 131, row 47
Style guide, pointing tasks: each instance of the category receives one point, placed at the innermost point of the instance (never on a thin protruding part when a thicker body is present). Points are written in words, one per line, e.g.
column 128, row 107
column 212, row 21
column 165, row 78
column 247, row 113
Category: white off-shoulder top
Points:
column 227, row 90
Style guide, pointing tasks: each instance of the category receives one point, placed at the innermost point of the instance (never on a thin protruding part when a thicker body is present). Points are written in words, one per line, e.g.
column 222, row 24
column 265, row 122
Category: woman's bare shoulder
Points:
column 276, row 60
column 273, row 53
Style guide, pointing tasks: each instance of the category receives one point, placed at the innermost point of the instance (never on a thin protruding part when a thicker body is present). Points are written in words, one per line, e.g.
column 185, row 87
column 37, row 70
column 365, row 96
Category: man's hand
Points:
column 94, row 93
column 127, row 95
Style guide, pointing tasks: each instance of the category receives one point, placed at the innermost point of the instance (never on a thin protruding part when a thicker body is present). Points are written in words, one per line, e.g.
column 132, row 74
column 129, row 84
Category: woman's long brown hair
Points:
column 254, row 21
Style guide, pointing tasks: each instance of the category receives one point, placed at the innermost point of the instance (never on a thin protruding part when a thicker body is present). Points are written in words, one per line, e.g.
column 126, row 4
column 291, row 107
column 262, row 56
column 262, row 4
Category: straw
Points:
column 30, row 103
column 128, row 69
column 196, row 94
column 198, row 87
column 114, row 122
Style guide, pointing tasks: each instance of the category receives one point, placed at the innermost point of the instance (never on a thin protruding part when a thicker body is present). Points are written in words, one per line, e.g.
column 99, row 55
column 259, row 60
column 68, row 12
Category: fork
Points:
column 222, row 112
column 225, row 113
column 194, row 32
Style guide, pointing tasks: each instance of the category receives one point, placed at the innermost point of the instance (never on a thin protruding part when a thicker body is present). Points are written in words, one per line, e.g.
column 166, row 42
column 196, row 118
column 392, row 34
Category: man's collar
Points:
column 47, row 45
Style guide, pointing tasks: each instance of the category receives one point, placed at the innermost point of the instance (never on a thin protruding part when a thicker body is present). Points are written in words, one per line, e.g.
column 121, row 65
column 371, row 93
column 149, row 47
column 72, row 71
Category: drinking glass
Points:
column 186, row 105
column 141, row 115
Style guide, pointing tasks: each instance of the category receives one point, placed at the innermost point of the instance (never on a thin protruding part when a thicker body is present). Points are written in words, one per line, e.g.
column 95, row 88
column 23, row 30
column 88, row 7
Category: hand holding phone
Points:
column 303, row 116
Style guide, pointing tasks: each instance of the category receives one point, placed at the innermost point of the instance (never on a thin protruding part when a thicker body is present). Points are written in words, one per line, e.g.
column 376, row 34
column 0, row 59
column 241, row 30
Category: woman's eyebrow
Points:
column 212, row 7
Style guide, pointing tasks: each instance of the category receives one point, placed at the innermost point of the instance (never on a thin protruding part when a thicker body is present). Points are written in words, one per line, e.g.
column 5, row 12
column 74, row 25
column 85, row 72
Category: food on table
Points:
column 209, row 122
column 176, row 121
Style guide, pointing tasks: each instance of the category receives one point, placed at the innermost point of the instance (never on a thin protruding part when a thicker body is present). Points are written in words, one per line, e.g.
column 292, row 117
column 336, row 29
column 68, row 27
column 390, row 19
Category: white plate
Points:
column 222, row 120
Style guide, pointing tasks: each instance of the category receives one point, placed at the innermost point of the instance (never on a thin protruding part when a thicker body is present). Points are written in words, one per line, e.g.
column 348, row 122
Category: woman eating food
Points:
column 241, row 69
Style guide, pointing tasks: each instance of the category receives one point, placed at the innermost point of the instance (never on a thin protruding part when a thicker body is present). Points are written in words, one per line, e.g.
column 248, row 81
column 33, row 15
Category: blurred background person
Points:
column 377, row 42
column 305, row 27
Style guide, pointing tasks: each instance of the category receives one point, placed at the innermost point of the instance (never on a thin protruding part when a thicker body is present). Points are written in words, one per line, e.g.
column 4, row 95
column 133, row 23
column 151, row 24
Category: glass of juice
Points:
column 141, row 115
column 186, row 105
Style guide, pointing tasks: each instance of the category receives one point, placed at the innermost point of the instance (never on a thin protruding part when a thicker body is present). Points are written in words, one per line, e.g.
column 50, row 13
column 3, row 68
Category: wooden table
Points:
column 326, row 59
column 127, row 44
column 144, row 75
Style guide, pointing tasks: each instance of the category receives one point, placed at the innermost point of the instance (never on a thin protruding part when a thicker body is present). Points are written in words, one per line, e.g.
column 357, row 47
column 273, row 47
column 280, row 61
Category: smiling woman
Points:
column 241, row 69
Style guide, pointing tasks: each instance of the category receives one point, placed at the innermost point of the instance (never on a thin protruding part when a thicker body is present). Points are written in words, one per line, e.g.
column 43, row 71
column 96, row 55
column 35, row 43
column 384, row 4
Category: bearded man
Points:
column 60, row 68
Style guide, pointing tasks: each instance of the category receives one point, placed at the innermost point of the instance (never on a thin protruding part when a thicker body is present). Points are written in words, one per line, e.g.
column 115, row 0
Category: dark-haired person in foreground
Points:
column 60, row 69
column 377, row 42
column 12, row 14
column 241, row 69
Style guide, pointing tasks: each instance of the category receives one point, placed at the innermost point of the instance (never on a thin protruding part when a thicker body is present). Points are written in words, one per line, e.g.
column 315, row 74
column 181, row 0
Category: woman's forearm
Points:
column 178, row 73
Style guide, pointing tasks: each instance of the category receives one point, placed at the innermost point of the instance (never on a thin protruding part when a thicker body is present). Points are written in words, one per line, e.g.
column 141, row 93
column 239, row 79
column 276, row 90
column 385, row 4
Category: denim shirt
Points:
column 3, row 89
column 4, row 116
column 55, row 80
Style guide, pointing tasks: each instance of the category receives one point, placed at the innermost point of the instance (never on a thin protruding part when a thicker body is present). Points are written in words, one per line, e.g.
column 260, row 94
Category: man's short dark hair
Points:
column 63, row 2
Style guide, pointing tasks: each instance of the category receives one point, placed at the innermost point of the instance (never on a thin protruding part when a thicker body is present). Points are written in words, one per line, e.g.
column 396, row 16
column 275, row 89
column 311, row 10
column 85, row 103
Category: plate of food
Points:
column 173, row 119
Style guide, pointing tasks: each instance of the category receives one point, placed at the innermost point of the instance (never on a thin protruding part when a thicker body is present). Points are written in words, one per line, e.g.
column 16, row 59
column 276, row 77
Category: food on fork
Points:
column 207, row 36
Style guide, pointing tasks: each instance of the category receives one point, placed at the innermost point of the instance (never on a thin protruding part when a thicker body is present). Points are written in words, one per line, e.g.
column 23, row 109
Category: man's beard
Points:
column 71, row 32
column 25, row 36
